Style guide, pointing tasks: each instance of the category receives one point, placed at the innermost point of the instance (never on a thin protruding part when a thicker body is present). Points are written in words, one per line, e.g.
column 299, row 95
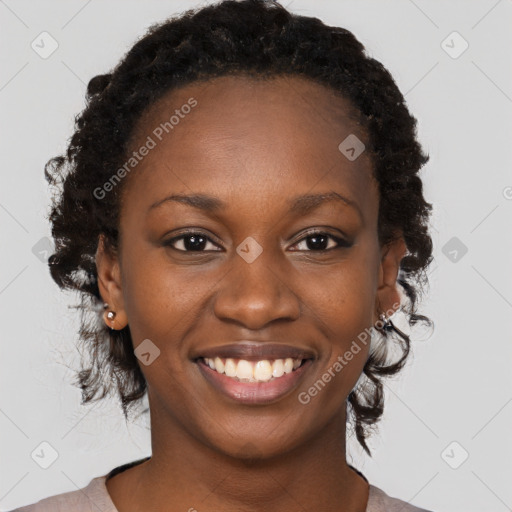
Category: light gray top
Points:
column 95, row 498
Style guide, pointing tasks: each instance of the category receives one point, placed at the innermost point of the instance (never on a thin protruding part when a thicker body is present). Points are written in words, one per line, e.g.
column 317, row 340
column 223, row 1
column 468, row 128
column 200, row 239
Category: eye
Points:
column 191, row 241
column 317, row 240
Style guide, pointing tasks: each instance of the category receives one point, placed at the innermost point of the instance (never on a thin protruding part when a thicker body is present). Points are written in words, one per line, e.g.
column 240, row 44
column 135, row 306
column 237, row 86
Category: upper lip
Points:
column 255, row 351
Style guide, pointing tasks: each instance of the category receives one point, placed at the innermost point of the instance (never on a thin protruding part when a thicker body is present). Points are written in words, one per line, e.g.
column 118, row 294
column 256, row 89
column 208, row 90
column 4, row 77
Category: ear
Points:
column 388, row 298
column 110, row 285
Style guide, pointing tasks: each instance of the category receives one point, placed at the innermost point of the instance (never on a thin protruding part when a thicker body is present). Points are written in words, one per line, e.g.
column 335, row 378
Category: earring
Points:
column 388, row 325
column 111, row 315
column 386, row 322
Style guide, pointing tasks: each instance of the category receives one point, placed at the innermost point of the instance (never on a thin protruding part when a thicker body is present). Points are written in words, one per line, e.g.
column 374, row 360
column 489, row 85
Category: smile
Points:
column 243, row 370
column 258, row 382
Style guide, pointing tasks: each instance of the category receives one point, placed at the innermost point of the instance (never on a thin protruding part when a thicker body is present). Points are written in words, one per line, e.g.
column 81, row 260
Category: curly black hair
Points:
column 255, row 38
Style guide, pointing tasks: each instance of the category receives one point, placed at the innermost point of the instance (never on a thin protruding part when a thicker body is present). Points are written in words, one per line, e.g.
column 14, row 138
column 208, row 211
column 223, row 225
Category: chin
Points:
column 256, row 442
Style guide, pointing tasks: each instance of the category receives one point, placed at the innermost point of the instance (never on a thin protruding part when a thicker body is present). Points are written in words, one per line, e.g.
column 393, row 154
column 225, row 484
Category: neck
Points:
column 184, row 474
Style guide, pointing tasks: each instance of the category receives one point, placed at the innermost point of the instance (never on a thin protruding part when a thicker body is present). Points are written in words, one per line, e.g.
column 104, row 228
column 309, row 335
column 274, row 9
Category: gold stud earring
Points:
column 111, row 315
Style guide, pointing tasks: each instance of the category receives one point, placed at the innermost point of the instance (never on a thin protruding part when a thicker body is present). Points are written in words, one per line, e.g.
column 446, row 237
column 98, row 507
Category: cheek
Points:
column 343, row 299
column 161, row 306
column 155, row 293
column 344, row 314
column 164, row 302
column 350, row 314
column 343, row 307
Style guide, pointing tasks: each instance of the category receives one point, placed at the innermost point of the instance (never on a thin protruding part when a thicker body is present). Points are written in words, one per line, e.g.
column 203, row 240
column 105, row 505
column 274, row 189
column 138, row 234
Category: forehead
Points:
column 237, row 104
column 263, row 138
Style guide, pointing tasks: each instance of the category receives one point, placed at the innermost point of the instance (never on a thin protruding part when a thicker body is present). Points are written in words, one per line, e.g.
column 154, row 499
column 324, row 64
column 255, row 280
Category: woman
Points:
column 240, row 205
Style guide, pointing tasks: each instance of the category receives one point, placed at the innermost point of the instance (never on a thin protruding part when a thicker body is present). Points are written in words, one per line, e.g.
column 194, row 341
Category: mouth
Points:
column 243, row 370
column 254, row 373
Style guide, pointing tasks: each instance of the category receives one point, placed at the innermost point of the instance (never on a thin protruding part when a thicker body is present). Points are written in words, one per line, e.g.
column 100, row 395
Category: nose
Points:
column 255, row 294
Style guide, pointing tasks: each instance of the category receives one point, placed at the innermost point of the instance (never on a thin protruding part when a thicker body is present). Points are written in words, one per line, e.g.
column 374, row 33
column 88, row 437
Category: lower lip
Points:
column 254, row 392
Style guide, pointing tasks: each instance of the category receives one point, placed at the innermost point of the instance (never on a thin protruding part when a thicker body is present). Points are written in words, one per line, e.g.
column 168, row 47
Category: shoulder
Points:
column 92, row 497
column 379, row 501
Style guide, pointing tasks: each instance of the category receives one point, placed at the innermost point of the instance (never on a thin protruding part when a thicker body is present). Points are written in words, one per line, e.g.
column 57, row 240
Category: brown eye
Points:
column 321, row 241
column 190, row 242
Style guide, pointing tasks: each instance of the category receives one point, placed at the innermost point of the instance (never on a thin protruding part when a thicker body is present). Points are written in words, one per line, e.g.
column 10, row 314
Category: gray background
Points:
column 457, row 386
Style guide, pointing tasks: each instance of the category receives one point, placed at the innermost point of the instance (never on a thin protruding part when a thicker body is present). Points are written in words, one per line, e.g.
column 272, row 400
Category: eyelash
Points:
column 340, row 242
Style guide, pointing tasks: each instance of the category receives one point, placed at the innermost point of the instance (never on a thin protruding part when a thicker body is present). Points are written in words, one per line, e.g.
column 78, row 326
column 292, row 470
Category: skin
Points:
column 255, row 145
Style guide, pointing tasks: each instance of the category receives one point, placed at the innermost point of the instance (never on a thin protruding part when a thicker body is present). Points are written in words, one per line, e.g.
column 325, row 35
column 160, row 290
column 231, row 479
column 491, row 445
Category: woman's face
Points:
column 249, row 281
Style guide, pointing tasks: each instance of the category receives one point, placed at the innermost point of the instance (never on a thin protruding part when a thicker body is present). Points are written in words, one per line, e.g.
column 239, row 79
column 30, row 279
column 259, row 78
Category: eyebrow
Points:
column 299, row 205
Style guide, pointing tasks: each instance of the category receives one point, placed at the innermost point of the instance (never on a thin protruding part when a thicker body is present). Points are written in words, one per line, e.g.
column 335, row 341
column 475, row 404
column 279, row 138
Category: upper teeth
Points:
column 253, row 371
